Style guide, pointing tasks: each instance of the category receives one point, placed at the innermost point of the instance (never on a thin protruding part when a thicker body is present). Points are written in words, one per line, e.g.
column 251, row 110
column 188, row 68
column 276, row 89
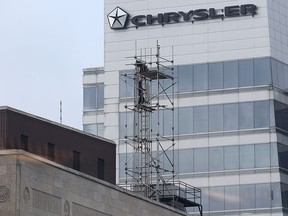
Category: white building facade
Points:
column 231, row 104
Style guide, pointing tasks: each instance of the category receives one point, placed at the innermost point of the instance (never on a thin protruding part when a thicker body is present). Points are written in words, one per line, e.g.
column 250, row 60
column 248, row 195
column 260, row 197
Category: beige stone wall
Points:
column 33, row 186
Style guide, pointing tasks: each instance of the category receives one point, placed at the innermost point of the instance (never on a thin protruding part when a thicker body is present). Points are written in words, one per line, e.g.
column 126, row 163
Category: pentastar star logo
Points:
column 118, row 18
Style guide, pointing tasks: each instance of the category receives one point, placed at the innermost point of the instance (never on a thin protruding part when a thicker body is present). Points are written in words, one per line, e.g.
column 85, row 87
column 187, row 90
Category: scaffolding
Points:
column 149, row 165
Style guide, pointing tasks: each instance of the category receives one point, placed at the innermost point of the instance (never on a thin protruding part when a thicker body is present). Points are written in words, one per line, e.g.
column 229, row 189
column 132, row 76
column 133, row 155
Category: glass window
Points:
column 205, row 198
column 157, row 127
column 231, row 74
column 284, row 192
column 186, row 120
column 200, row 115
column 215, row 118
column 186, row 161
column 200, row 160
column 276, row 194
column 126, row 124
column 100, row 129
column 263, row 196
column 127, row 84
column 274, row 73
column 262, row 71
column 100, row 96
column 168, row 122
column 246, row 115
column 215, row 76
column 247, row 156
column 285, row 71
column 232, row 197
column 200, row 81
column 262, row 114
column 231, row 157
column 185, row 78
column 246, row 77
column 216, row 160
column 90, row 128
column 280, row 71
column 216, row 198
column 122, row 160
column 262, row 155
column 281, row 115
column 274, row 155
column 283, row 156
column 89, row 97
column 230, row 117
column 247, row 196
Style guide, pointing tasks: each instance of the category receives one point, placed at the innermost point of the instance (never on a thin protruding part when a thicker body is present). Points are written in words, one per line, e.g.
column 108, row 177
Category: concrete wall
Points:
column 33, row 186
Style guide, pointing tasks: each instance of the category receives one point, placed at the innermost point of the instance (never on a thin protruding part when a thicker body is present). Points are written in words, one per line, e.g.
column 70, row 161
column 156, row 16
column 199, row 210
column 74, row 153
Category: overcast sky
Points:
column 44, row 45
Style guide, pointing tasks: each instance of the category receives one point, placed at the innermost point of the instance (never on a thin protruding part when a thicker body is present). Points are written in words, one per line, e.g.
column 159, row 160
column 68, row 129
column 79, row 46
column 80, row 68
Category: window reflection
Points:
column 247, row 156
column 215, row 75
column 200, row 81
column 246, row 77
column 231, row 74
column 246, row 115
column 247, row 197
column 185, row 77
column 216, row 159
column 89, row 97
column 216, row 117
column 200, row 119
column 262, row 71
column 220, row 75
column 201, row 160
column 231, row 157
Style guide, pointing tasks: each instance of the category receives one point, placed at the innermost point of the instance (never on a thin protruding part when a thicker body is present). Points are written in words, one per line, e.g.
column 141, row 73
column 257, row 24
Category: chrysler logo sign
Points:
column 119, row 19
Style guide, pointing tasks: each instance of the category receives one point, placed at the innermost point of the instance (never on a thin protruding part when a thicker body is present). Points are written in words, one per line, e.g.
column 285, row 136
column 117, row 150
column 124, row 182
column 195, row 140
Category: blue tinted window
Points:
column 89, row 97
column 201, row 160
column 200, row 81
column 186, row 160
column 247, row 197
column 231, row 117
column 262, row 114
column 262, row 155
column 263, row 196
column 168, row 122
column 216, row 159
column 100, row 96
column 186, row 120
column 231, row 74
column 185, row 78
column 246, row 115
column 274, row 73
column 231, row 157
column 216, row 198
column 216, row 118
column 126, row 124
column 232, row 195
column 215, row 75
column 246, row 77
column 127, row 84
column 247, row 156
column 262, row 71
column 200, row 119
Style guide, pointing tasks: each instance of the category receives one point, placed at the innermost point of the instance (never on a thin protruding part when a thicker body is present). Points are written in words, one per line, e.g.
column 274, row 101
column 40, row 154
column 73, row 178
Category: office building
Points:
column 231, row 74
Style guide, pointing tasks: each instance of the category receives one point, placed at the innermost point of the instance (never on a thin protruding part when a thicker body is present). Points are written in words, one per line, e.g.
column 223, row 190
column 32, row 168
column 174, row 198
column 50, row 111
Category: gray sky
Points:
column 44, row 45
